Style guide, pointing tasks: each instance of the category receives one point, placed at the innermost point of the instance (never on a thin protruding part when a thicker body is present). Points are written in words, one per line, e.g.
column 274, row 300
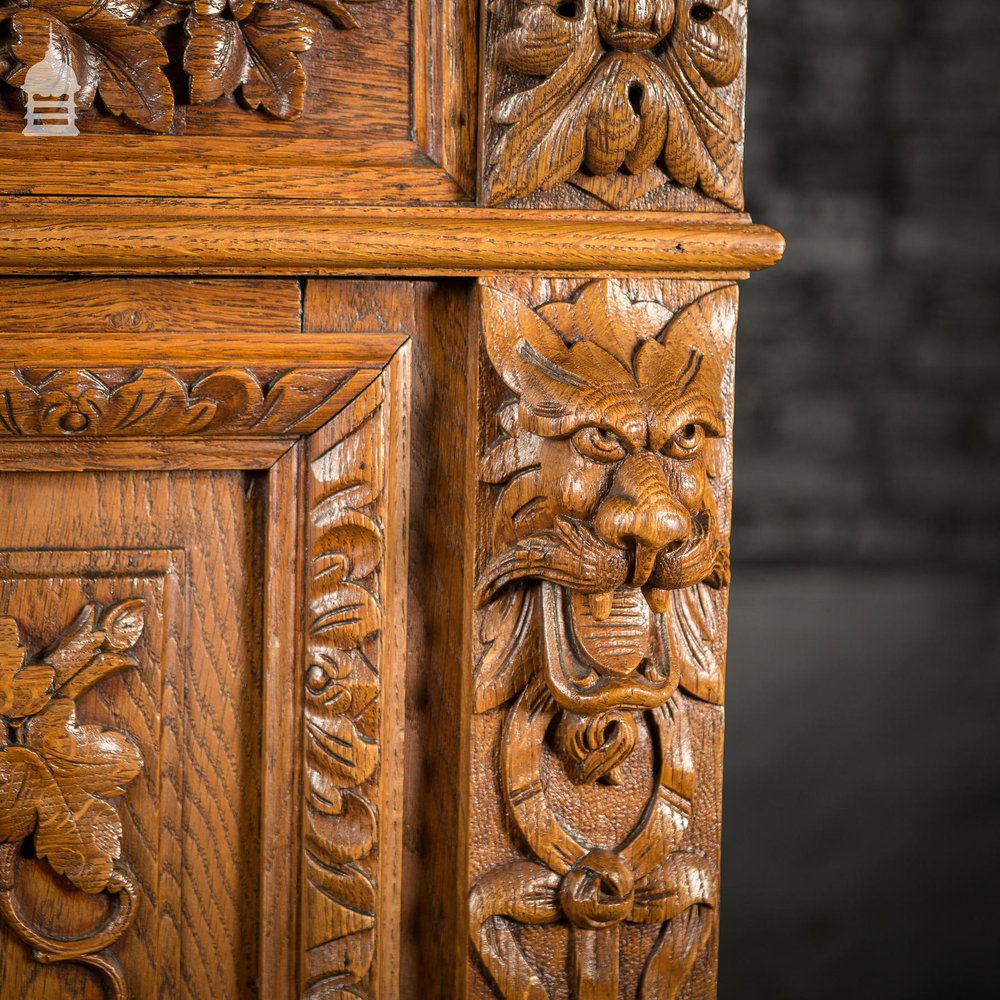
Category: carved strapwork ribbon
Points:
column 633, row 103
column 605, row 415
column 353, row 676
column 57, row 775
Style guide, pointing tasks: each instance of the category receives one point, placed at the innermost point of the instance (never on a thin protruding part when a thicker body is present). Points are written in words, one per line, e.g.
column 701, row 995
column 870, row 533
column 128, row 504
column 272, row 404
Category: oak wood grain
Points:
column 228, row 236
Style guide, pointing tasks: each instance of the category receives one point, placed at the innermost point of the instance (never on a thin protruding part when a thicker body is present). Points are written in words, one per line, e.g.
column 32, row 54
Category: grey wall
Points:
column 862, row 773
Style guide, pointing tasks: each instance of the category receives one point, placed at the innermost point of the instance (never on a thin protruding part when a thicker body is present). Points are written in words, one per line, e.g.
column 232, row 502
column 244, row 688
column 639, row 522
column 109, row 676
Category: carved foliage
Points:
column 346, row 548
column 56, row 774
column 616, row 96
column 599, row 617
column 146, row 401
column 117, row 50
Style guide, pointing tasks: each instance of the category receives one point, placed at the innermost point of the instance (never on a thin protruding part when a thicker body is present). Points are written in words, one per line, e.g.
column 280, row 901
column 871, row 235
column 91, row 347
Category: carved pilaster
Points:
column 603, row 519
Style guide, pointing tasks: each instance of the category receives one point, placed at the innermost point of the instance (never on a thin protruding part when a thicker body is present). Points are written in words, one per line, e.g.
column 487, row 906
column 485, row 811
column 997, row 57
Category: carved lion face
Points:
column 606, row 461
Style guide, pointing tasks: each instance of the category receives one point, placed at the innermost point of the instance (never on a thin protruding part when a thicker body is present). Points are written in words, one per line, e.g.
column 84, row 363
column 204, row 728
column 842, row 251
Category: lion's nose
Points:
column 640, row 511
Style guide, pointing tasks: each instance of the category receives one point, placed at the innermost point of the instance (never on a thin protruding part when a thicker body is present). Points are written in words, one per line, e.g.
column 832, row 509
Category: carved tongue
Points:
column 616, row 638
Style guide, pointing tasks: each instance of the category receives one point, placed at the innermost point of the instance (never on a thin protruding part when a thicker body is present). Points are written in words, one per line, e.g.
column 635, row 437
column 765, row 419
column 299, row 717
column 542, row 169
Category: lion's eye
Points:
column 686, row 442
column 599, row 445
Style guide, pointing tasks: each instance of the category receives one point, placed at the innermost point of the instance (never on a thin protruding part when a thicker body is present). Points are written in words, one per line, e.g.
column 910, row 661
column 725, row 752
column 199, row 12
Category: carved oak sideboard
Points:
column 366, row 409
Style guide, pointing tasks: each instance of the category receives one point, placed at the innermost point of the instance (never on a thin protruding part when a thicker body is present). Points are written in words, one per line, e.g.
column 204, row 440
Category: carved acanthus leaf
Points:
column 630, row 94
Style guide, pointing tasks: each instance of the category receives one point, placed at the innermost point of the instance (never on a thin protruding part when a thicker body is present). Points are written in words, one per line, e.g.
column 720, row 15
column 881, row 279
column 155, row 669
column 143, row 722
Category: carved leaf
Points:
column 275, row 35
column 613, row 101
column 693, row 631
column 215, row 57
column 76, row 768
column 339, row 11
column 510, row 632
column 675, row 952
column 25, row 688
column 125, row 60
column 339, row 750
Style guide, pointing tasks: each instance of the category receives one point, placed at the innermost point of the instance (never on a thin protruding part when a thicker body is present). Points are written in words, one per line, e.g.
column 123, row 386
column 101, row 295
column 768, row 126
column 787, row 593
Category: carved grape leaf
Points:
column 75, row 768
column 25, row 688
column 617, row 108
column 110, row 55
column 56, row 774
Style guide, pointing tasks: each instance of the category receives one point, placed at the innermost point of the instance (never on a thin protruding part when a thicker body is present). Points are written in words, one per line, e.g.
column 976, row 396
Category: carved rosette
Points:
column 601, row 616
column 121, row 50
column 344, row 655
column 57, row 774
column 618, row 97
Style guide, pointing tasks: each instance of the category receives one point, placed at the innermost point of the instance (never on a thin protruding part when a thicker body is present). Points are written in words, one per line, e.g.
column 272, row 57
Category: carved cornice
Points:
column 121, row 51
column 56, row 776
column 601, row 611
column 617, row 97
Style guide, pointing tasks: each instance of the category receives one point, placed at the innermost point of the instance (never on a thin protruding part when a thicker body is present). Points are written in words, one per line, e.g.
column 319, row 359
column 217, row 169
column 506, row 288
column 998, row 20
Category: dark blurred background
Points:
column 862, row 771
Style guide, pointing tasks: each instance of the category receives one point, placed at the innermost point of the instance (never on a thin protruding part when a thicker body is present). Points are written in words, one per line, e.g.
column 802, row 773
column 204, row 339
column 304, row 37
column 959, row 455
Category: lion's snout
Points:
column 641, row 513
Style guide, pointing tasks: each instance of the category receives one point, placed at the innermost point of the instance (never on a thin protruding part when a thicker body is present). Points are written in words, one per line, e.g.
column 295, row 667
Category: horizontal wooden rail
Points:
column 207, row 236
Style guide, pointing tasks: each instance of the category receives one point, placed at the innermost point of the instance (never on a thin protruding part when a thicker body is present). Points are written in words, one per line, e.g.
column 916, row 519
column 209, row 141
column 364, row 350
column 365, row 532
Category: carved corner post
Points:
column 604, row 440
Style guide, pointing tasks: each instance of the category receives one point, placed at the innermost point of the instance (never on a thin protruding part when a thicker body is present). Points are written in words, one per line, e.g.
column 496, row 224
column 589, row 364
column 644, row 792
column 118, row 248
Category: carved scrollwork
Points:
column 599, row 621
column 134, row 402
column 617, row 97
column 56, row 776
column 342, row 711
column 120, row 50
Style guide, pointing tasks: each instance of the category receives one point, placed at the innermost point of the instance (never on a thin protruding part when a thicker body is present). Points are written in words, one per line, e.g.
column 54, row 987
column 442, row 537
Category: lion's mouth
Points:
column 575, row 557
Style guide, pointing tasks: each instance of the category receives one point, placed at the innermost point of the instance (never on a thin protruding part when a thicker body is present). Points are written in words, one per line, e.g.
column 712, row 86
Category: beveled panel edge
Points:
column 201, row 236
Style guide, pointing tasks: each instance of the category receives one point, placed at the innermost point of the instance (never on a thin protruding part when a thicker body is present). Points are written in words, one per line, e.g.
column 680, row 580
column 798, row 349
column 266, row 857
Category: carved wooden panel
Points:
column 605, row 413
column 246, row 97
column 614, row 103
column 243, row 528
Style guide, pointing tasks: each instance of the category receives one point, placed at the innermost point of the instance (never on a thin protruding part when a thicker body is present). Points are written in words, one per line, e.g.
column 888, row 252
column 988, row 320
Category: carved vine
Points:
column 599, row 617
column 158, row 401
column 342, row 707
column 622, row 95
column 120, row 50
column 56, row 776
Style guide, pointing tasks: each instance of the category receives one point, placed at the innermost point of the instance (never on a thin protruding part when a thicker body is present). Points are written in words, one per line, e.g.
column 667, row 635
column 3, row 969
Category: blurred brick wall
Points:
column 868, row 393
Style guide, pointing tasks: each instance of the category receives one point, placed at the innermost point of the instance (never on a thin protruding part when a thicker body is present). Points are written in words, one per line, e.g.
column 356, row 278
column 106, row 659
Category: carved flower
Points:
column 56, row 774
column 626, row 83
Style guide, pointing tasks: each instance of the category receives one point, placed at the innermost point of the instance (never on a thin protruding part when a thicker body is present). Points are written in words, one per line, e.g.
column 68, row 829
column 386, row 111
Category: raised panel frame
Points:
column 325, row 418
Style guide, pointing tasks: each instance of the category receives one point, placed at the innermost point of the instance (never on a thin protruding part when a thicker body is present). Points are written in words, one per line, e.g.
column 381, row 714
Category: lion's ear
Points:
column 528, row 354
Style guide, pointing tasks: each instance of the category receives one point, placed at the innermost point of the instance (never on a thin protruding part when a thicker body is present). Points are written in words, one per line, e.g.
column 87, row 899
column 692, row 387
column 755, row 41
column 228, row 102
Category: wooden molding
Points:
column 107, row 236
column 606, row 417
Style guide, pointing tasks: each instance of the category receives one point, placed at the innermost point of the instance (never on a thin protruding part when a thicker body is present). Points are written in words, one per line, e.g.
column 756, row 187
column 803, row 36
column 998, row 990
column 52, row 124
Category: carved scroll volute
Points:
column 617, row 97
column 601, row 610
column 57, row 775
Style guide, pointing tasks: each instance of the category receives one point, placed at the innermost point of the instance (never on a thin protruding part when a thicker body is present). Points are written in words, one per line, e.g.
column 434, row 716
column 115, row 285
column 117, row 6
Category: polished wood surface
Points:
column 366, row 383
